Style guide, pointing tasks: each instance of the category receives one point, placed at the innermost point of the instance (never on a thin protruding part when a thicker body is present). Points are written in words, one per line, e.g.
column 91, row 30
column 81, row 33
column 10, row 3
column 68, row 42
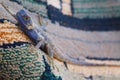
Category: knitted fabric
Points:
column 90, row 15
column 38, row 6
column 19, row 59
column 21, row 62
column 96, row 8
column 80, row 8
column 88, row 24
column 9, row 33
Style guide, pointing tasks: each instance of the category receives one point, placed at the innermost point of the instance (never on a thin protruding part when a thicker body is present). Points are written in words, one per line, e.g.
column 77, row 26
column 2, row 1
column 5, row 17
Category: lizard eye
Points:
column 26, row 18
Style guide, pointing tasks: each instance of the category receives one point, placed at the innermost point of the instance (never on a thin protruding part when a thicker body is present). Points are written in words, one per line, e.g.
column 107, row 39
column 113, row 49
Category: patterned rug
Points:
column 96, row 8
column 86, row 15
column 38, row 6
column 19, row 59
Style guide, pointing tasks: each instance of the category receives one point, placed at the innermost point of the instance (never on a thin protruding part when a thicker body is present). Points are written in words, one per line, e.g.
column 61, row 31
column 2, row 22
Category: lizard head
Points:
column 24, row 19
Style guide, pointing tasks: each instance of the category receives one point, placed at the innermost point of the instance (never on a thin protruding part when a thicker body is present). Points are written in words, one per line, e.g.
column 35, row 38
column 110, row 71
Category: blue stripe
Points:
column 13, row 44
column 98, row 58
column 87, row 24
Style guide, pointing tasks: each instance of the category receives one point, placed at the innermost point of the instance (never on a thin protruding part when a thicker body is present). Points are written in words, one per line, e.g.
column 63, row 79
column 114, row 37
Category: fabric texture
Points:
column 96, row 8
column 21, row 62
column 19, row 59
column 87, row 24
column 38, row 6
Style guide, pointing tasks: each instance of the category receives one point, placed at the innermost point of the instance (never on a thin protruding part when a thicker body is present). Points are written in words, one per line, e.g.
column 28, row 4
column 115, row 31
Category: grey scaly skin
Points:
column 26, row 26
column 38, row 36
column 53, row 52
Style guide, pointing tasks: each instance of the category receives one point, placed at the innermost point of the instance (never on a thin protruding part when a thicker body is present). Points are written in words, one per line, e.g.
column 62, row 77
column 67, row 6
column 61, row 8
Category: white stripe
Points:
column 66, row 9
column 55, row 3
column 66, row 1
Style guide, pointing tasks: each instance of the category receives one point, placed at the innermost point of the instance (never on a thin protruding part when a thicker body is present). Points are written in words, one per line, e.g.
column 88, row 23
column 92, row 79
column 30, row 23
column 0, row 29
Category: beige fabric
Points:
column 55, row 3
column 66, row 9
column 66, row 1
column 67, row 13
column 80, row 44
column 4, row 14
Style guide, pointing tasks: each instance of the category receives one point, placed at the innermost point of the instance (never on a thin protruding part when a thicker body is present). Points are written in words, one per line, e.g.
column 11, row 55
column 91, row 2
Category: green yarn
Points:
column 24, row 63
column 96, row 8
column 34, row 6
column 90, row 1
column 47, row 74
column 21, row 63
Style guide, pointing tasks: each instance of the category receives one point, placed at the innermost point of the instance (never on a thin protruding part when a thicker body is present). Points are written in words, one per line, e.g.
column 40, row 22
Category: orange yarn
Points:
column 10, row 33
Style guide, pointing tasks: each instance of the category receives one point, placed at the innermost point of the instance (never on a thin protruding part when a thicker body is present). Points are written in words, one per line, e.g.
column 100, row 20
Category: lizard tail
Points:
column 68, row 59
